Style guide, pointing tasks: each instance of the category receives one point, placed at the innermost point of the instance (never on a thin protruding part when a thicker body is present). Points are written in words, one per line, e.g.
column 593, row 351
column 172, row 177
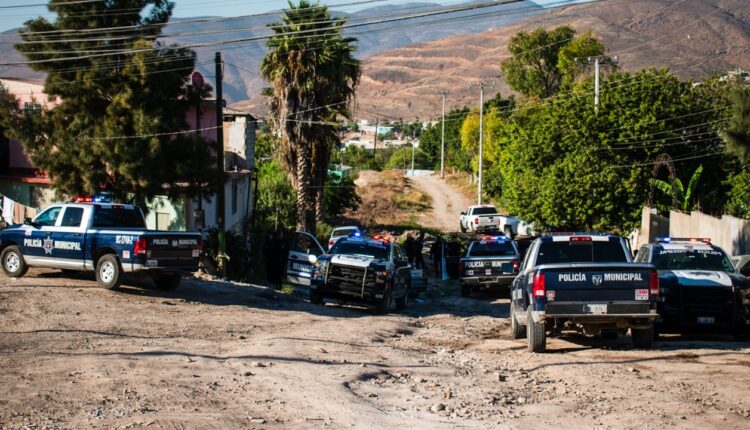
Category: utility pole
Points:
column 375, row 139
column 220, row 203
column 481, row 86
column 442, row 137
column 597, row 61
column 412, row 153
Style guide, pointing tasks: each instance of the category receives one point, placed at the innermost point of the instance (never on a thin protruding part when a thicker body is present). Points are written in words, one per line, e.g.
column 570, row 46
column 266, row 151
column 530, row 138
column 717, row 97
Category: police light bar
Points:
column 497, row 238
column 380, row 238
column 706, row 240
column 355, row 234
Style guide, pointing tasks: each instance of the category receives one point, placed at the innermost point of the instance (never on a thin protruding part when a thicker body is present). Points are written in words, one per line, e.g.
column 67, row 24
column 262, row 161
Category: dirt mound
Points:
column 387, row 199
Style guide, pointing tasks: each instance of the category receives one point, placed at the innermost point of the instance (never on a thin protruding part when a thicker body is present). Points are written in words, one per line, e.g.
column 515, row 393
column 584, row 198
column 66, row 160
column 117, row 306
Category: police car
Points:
column 108, row 239
column 491, row 261
column 362, row 270
column 700, row 289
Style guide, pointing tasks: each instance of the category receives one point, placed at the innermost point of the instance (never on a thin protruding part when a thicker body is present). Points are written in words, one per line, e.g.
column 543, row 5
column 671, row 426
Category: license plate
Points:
column 706, row 320
column 302, row 267
column 470, row 273
column 641, row 294
column 196, row 253
column 488, row 272
column 152, row 263
column 596, row 309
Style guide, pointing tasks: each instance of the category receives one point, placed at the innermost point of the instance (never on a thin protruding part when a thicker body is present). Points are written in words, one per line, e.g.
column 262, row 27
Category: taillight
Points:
column 653, row 283
column 330, row 243
column 538, row 288
column 515, row 266
column 476, row 221
column 140, row 246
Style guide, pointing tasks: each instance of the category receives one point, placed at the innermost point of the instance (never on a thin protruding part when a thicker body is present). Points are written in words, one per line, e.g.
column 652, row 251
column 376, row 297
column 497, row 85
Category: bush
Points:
column 738, row 201
column 401, row 159
column 340, row 196
column 238, row 266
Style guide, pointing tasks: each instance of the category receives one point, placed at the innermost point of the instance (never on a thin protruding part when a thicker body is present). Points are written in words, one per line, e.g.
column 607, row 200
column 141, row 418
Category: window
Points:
column 163, row 221
column 72, row 217
column 399, row 254
column 488, row 210
column 690, row 258
column 306, row 245
column 581, row 252
column 489, row 248
column 235, row 191
column 48, row 217
column 376, row 251
column 118, row 216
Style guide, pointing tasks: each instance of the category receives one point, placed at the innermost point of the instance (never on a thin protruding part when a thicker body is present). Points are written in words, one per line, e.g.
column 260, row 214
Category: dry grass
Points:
column 387, row 199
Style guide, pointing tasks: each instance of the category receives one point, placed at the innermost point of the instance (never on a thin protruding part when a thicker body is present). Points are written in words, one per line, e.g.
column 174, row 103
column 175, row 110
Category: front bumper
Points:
column 348, row 292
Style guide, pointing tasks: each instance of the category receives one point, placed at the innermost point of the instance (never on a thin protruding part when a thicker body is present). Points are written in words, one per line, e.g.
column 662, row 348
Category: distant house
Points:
column 23, row 183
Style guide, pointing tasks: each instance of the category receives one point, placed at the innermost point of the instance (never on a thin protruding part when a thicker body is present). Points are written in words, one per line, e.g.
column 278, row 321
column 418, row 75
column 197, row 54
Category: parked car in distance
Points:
column 486, row 219
column 490, row 262
column 343, row 231
column 107, row 239
column 585, row 282
column 372, row 271
column 699, row 288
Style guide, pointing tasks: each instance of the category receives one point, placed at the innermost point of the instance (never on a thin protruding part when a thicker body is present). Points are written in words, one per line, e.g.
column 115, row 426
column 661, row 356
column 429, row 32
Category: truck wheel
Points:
column 167, row 282
column 517, row 331
column 508, row 232
column 14, row 265
column 536, row 334
column 461, row 226
column 642, row 337
column 315, row 297
column 465, row 290
column 108, row 272
column 383, row 306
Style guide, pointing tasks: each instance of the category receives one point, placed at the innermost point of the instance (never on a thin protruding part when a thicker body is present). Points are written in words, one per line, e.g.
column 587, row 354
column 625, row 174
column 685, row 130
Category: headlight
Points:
column 319, row 269
column 381, row 276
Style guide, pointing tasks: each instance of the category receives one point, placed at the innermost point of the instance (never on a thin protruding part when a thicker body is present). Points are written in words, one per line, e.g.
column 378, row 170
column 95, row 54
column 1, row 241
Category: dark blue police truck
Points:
column 108, row 239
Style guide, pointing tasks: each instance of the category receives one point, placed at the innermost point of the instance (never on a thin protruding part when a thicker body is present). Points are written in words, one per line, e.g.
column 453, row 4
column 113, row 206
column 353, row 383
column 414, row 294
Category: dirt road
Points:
column 447, row 203
column 219, row 355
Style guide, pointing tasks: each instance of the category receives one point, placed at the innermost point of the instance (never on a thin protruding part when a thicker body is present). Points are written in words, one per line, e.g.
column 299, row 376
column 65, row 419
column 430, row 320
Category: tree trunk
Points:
column 305, row 193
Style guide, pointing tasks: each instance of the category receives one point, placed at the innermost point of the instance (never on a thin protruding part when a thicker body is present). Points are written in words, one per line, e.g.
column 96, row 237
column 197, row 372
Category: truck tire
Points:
column 461, row 226
column 108, row 272
column 536, row 334
column 508, row 232
column 517, row 331
column 465, row 290
column 315, row 297
column 383, row 307
column 642, row 337
column 14, row 265
column 167, row 281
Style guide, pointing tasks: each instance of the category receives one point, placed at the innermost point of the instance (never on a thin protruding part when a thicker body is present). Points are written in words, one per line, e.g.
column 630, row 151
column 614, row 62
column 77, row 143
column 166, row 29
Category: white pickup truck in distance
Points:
column 485, row 218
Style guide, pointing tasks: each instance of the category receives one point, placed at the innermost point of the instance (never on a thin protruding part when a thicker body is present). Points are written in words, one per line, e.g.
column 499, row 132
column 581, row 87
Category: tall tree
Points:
column 120, row 99
column 541, row 61
column 737, row 133
column 313, row 75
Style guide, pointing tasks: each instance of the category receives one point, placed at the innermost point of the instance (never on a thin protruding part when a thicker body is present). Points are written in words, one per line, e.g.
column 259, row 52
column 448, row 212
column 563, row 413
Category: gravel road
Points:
column 220, row 355
column 447, row 203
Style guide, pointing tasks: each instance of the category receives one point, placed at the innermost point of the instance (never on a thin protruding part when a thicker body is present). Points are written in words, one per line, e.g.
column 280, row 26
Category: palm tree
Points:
column 681, row 197
column 313, row 76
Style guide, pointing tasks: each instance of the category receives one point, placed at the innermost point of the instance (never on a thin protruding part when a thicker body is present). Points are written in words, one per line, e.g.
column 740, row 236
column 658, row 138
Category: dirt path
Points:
column 219, row 355
column 447, row 203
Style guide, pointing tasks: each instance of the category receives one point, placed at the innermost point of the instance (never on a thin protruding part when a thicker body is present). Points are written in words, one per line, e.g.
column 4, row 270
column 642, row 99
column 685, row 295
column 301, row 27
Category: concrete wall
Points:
column 233, row 219
column 730, row 233
column 165, row 214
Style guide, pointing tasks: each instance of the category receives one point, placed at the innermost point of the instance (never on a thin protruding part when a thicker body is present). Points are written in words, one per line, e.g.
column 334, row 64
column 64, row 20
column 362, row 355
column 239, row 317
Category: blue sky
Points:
column 12, row 18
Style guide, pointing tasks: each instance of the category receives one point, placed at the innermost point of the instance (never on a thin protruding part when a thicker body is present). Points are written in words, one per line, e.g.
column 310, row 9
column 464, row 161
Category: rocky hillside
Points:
column 692, row 37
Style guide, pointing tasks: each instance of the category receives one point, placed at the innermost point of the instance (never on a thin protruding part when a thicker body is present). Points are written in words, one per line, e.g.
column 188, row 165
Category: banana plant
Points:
column 681, row 197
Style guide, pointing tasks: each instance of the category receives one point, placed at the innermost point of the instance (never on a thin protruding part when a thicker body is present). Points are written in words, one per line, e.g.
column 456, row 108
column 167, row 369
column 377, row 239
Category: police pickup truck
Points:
column 584, row 282
column 699, row 288
column 108, row 239
column 491, row 262
column 362, row 270
column 483, row 219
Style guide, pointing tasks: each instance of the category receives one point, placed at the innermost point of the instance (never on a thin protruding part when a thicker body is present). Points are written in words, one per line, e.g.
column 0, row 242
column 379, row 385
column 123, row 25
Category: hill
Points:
column 693, row 38
column 242, row 60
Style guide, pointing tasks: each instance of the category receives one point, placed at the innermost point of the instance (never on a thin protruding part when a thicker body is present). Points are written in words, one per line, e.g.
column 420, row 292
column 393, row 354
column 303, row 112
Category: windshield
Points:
column 378, row 252
column 484, row 211
column 692, row 259
column 491, row 249
column 581, row 252
column 343, row 231
column 118, row 217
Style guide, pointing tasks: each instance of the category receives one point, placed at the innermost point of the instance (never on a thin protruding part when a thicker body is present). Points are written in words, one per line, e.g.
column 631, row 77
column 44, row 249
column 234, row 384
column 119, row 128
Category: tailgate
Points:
column 489, row 220
column 488, row 267
column 597, row 283
column 172, row 249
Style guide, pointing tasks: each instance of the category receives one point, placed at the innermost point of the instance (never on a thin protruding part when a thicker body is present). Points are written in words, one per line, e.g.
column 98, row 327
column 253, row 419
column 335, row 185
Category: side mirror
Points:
column 463, row 213
column 27, row 221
